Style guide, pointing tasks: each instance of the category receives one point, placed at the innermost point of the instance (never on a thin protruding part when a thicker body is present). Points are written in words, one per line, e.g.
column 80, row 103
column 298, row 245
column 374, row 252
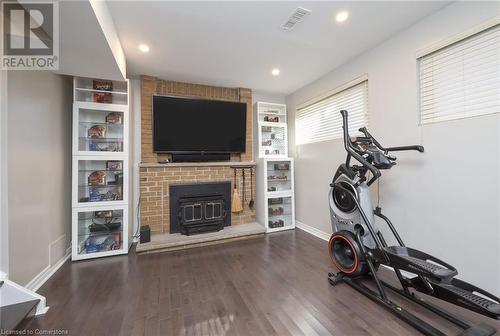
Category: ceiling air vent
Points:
column 297, row 16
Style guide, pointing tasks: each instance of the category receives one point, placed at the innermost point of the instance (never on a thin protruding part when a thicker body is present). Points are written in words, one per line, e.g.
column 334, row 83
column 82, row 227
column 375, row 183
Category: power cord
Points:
column 137, row 233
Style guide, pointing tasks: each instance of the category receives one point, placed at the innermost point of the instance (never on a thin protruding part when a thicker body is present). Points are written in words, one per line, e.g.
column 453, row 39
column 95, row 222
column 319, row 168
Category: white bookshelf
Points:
column 100, row 169
column 275, row 206
column 271, row 130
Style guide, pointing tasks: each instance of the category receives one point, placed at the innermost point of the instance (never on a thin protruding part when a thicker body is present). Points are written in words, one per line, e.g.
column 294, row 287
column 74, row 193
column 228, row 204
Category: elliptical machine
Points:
column 357, row 246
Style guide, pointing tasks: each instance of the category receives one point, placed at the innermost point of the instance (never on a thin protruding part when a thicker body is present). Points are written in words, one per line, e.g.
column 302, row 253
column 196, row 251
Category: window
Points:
column 461, row 79
column 321, row 119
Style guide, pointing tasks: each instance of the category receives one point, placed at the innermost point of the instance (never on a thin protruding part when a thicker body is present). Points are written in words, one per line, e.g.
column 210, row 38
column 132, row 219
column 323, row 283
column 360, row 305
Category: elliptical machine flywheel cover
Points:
column 344, row 199
column 346, row 253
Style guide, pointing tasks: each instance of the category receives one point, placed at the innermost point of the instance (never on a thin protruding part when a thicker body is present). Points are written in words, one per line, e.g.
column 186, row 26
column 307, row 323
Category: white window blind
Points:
column 321, row 120
column 461, row 80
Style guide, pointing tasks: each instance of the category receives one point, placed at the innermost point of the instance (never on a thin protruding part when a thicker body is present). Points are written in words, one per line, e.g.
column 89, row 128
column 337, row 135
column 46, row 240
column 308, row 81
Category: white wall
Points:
column 39, row 171
column 267, row 97
column 444, row 201
column 105, row 20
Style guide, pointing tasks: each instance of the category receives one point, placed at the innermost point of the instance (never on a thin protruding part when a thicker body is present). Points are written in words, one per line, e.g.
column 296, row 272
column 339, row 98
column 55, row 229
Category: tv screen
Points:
column 184, row 125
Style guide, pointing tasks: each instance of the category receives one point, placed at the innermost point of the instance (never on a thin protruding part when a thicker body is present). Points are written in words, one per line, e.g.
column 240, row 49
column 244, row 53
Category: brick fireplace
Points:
column 156, row 178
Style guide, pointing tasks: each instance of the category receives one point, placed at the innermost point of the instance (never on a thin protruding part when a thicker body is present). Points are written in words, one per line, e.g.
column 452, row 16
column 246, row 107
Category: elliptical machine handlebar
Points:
column 390, row 149
column 352, row 152
column 406, row 148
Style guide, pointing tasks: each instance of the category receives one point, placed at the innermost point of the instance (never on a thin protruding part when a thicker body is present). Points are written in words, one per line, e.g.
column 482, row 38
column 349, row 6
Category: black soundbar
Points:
column 201, row 157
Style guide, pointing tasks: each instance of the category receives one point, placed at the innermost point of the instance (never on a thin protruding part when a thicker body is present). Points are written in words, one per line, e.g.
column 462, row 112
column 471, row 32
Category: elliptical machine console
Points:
column 357, row 246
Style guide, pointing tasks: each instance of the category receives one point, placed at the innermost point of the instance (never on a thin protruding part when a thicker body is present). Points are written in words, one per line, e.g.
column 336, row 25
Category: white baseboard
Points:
column 47, row 272
column 312, row 230
column 37, row 282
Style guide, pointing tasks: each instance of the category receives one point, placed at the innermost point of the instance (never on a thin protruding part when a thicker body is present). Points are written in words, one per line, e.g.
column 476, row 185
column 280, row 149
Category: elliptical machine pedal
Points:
column 357, row 246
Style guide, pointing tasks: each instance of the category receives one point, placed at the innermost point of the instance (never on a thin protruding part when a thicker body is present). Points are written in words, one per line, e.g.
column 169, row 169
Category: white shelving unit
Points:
column 275, row 206
column 271, row 131
column 100, row 182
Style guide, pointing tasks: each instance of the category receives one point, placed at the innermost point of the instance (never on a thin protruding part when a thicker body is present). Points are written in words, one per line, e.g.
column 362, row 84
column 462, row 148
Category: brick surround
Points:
column 155, row 179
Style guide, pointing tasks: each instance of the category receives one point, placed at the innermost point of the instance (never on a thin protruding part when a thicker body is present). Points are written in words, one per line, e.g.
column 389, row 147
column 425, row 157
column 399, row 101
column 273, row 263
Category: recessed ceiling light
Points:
column 342, row 16
column 144, row 48
column 275, row 72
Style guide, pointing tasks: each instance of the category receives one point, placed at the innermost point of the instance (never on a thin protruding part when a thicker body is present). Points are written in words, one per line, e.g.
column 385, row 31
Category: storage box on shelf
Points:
column 272, row 136
column 100, row 168
column 275, row 194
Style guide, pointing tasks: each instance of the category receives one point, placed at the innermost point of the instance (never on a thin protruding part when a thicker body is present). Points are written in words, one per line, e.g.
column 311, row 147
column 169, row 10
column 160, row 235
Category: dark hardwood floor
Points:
column 275, row 285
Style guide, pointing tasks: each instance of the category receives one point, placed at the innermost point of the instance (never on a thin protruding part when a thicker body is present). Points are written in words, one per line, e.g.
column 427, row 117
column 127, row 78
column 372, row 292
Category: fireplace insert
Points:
column 200, row 207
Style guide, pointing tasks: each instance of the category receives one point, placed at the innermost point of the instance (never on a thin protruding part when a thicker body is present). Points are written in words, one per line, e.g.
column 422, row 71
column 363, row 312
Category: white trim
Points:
column 312, row 230
column 47, row 272
column 458, row 37
column 356, row 81
column 4, row 224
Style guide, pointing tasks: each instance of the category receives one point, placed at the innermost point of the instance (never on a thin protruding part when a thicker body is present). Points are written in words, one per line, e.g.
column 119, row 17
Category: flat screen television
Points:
column 185, row 125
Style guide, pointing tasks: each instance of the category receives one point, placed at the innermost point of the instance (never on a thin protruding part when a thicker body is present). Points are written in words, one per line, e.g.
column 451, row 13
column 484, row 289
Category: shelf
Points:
column 100, row 91
column 98, row 220
column 281, row 228
column 102, row 139
column 272, row 113
column 104, row 170
column 108, row 155
column 277, row 180
column 101, row 186
column 282, row 215
column 101, row 107
column 102, row 233
column 197, row 164
column 100, row 123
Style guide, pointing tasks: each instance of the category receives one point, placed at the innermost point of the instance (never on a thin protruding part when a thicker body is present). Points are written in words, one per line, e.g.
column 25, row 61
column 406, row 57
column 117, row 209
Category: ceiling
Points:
column 84, row 49
column 236, row 44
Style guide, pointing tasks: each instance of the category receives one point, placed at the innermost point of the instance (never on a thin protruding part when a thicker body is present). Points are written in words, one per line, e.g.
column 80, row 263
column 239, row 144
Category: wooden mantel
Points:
column 197, row 164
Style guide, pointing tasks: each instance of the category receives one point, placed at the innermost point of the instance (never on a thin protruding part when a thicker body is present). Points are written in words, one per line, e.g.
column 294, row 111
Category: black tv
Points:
column 198, row 126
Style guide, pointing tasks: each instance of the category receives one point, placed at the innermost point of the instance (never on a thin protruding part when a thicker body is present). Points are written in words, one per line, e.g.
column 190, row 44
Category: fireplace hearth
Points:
column 200, row 207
